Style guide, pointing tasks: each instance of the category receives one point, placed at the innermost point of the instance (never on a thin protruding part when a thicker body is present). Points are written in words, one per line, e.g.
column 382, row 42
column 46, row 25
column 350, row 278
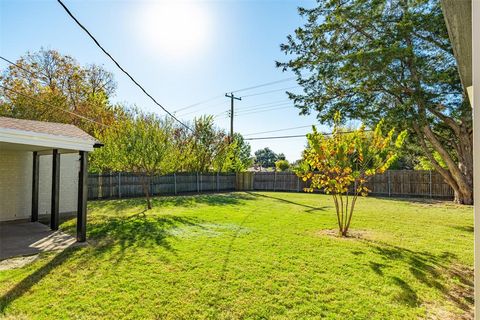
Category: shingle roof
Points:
column 53, row 128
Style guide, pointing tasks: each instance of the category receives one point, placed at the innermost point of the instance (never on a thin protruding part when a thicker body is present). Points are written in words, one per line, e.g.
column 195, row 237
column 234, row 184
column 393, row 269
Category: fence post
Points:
column 175, row 183
column 218, row 181
column 298, row 184
column 389, row 184
column 274, row 180
column 100, row 189
column 200, row 179
column 430, row 183
column 198, row 186
column 150, row 185
column 119, row 187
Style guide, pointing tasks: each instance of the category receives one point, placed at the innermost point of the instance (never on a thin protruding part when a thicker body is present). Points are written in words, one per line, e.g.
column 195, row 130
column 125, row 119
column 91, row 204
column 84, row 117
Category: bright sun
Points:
column 175, row 28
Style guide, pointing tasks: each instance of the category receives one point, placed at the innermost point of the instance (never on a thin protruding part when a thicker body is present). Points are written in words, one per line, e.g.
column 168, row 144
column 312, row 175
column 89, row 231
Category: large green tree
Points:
column 266, row 157
column 49, row 86
column 388, row 59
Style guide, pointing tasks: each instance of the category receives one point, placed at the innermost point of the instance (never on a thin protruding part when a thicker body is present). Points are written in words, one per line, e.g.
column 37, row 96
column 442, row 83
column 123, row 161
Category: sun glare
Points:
column 176, row 29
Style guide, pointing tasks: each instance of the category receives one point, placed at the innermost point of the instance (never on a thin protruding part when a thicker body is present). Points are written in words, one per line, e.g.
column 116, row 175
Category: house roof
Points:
column 45, row 134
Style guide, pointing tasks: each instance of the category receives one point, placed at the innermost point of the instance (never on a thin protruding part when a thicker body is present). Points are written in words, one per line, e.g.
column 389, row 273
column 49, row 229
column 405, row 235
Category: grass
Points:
column 253, row 256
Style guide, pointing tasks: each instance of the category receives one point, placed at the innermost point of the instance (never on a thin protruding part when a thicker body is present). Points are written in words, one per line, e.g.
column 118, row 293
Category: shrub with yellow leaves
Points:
column 341, row 164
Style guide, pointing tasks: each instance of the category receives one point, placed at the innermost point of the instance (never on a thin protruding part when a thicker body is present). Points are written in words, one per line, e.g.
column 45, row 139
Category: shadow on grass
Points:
column 114, row 235
column 430, row 270
column 138, row 230
column 32, row 279
column 308, row 207
column 467, row 229
column 218, row 199
column 407, row 295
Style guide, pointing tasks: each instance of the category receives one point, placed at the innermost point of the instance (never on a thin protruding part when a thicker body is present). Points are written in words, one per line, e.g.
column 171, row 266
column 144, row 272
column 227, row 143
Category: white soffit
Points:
column 44, row 140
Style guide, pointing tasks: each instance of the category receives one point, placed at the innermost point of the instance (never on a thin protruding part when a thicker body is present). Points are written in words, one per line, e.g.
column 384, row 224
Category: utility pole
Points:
column 232, row 99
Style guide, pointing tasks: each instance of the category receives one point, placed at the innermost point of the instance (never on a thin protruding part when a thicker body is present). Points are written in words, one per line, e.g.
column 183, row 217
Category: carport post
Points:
column 82, row 198
column 54, row 213
column 35, row 177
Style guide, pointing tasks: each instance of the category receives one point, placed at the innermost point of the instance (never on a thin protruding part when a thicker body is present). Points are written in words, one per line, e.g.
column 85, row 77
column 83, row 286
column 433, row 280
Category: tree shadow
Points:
column 32, row 279
column 117, row 235
column 309, row 208
column 377, row 267
column 138, row 230
column 187, row 201
column 429, row 269
column 407, row 295
column 468, row 229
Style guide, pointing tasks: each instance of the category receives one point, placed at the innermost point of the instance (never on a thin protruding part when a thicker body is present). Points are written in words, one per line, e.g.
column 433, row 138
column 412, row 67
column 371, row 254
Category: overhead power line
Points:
column 20, row 67
column 265, row 107
column 263, row 110
column 278, row 130
column 270, row 91
column 197, row 111
column 52, row 106
column 298, row 135
column 277, row 137
column 198, row 103
column 263, row 85
column 119, row 66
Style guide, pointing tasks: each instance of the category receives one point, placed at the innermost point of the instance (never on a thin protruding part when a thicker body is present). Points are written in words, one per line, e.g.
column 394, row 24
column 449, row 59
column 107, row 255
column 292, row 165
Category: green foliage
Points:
column 282, row 165
column 389, row 60
column 425, row 164
column 266, row 157
column 139, row 144
column 60, row 81
column 238, row 157
column 206, row 148
column 341, row 164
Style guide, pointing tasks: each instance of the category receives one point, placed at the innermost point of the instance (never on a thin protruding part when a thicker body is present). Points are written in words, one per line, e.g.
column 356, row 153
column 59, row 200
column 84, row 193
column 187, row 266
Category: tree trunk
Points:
column 459, row 175
column 146, row 189
column 463, row 198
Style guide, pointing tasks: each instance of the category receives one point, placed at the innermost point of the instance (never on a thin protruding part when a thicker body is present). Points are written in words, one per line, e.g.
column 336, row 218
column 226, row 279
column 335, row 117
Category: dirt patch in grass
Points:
column 353, row 234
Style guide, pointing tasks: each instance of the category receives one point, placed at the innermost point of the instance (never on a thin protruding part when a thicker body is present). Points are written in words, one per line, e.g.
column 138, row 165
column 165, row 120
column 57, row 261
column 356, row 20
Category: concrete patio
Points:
column 29, row 238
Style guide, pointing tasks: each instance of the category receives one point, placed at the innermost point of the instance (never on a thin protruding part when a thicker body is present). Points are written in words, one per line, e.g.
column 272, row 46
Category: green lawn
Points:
column 254, row 256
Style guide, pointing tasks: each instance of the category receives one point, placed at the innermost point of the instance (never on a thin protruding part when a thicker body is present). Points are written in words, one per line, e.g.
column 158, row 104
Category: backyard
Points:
column 254, row 255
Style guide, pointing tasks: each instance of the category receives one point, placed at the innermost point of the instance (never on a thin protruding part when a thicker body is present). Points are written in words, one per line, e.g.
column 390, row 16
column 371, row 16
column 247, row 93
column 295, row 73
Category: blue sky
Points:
column 183, row 52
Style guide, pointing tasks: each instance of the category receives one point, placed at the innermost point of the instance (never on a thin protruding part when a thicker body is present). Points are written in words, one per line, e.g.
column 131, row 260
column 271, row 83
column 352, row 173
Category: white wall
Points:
column 16, row 184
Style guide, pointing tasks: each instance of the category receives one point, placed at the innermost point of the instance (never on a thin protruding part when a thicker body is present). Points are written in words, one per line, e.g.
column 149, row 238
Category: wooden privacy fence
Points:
column 393, row 183
column 127, row 185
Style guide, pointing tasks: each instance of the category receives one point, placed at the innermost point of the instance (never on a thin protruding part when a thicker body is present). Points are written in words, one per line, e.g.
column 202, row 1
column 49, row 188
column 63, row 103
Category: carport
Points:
column 43, row 171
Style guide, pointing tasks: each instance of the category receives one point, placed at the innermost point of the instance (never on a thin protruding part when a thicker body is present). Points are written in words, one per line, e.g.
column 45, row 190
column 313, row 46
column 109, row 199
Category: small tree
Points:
column 141, row 144
column 341, row 164
column 282, row 165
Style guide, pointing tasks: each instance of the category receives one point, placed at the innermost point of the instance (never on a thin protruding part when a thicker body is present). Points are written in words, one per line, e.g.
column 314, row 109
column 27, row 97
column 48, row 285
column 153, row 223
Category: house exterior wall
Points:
column 16, row 184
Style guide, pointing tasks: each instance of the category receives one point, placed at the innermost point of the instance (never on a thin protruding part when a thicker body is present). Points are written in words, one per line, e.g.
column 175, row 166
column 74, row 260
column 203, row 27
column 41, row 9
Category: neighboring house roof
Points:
column 47, row 134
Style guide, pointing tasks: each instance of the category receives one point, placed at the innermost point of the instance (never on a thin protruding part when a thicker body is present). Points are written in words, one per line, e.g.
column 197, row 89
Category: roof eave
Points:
column 45, row 140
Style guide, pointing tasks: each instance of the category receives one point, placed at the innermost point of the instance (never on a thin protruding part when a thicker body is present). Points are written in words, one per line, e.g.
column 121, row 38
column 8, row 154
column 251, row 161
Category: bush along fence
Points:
column 393, row 183
column 128, row 185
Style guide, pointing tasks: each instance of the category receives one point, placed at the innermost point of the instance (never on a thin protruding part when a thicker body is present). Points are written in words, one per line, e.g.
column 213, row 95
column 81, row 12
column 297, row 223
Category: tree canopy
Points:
column 391, row 59
column 266, row 157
